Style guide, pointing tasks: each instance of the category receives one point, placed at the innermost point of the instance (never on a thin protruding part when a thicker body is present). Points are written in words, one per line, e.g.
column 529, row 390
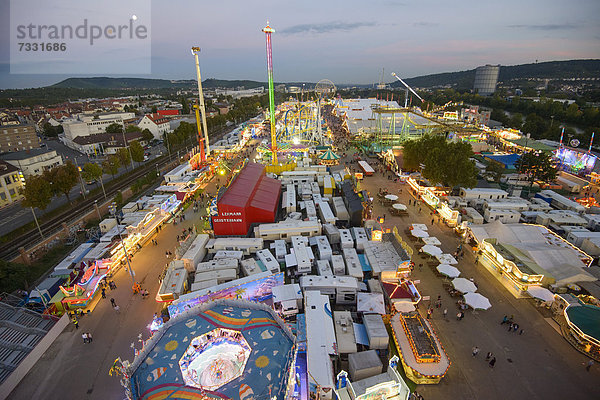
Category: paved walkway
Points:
column 540, row 364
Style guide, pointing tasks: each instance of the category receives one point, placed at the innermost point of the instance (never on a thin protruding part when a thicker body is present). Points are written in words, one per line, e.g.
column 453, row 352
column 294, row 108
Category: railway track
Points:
column 10, row 250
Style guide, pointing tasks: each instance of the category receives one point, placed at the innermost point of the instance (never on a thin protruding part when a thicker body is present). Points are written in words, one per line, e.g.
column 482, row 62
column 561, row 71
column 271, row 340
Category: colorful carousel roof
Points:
column 329, row 156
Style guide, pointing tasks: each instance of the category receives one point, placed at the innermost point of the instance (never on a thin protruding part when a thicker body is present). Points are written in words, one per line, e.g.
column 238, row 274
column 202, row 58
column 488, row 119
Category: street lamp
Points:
column 157, row 171
column 113, row 211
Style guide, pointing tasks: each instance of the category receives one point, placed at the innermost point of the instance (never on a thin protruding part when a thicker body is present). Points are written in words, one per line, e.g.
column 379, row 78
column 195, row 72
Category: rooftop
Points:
column 23, row 154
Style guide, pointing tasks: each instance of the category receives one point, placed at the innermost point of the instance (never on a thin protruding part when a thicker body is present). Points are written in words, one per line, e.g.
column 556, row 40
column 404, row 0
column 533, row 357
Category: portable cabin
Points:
column 325, row 212
column 366, row 168
column 266, row 257
column 341, row 289
column 311, row 210
column 314, row 187
column 204, row 284
column 346, row 240
column 290, row 199
column 337, row 264
column 305, row 191
column 328, row 186
column 220, row 263
column 303, row 259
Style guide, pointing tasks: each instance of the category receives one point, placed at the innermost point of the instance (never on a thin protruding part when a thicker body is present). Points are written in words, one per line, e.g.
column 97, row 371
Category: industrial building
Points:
column 486, row 78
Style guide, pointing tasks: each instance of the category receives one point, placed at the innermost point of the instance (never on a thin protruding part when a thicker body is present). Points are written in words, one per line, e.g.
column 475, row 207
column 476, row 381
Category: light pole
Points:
column 113, row 211
column 36, row 222
column 157, row 171
column 80, row 178
column 97, row 210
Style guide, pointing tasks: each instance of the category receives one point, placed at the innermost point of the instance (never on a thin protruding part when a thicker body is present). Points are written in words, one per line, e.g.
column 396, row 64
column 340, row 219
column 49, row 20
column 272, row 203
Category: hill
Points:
column 144, row 83
column 543, row 70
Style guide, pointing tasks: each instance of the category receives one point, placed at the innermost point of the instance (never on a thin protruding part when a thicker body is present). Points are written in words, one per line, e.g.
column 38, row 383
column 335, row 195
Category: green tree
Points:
column 495, row 170
column 111, row 165
column 537, row 167
column 114, row 128
column 124, row 158
column 137, row 151
column 52, row 131
column 37, row 192
column 133, row 128
column 93, row 172
column 185, row 106
column 441, row 162
column 154, row 109
column 63, row 178
column 13, row 276
column 147, row 136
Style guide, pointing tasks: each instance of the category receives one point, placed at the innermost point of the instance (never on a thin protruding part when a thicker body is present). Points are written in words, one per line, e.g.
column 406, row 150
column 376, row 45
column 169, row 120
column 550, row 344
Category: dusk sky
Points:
column 348, row 41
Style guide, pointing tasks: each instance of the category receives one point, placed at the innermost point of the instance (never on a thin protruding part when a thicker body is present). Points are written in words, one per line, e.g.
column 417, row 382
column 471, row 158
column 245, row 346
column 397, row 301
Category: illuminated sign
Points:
column 377, row 235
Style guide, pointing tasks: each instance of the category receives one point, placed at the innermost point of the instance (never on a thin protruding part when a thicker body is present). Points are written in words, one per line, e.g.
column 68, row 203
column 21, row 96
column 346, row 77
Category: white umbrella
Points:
column 432, row 240
column 540, row 293
column 422, row 227
column 477, row 301
column 446, row 259
column 431, row 250
column 419, row 233
column 448, row 270
column 404, row 306
column 399, row 206
column 391, row 197
column 463, row 285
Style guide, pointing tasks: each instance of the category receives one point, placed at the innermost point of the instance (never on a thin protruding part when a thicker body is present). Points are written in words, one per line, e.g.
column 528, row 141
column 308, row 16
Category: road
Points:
column 15, row 216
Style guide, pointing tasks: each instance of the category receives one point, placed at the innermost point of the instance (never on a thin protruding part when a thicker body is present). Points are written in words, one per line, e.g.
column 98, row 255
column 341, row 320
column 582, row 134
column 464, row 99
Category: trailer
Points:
column 328, row 186
column 238, row 255
column 287, row 299
column 323, row 247
column 305, row 191
column 353, row 263
column 332, row 233
column 340, row 209
column 204, row 285
column 366, row 168
column 337, row 264
column 280, row 249
column 196, row 252
column 251, row 267
column 289, row 199
column 360, row 237
column 376, row 332
column 221, row 275
column 323, row 268
column 314, row 187
column 344, row 332
column 346, row 240
column 270, row 263
column 286, row 229
column 246, row 245
column 174, row 283
column 311, row 210
column 341, row 289
column 303, row 260
column 325, row 212
column 220, row 263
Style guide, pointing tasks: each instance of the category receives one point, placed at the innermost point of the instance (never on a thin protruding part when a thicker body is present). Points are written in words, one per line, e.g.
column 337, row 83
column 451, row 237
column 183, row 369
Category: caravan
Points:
column 286, row 229
column 270, row 263
column 341, row 289
column 353, row 263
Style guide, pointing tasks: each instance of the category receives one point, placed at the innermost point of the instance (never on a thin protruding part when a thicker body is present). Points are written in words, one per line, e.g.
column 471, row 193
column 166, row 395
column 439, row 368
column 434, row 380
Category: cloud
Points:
column 546, row 27
column 325, row 27
column 425, row 24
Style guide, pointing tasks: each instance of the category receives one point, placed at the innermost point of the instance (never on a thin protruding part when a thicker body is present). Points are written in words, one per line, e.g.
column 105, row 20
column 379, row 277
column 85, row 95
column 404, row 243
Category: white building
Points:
column 155, row 123
column 504, row 216
column 86, row 125
column 482, row 194
column 34, row 161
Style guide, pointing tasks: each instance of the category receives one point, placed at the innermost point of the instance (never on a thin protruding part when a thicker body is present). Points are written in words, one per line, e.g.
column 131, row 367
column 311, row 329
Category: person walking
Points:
column 89, row 337
column 117, row 309
column 113, row 302
column 492, row 362
column 76, row 323
column 445, row 313
column 103, row 293
column 475, row 351
column 515, row 327
column 489, row 356
column 84, row 336
column 589, row 365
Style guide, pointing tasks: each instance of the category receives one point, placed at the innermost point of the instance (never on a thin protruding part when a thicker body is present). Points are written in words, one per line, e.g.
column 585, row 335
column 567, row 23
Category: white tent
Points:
column 370, row 303
column 391, row 197
column 422, row 227
column 477, row 301
column 446, row 259
column 432, row 240
column 464, row 285
column 431, row 250
column 448, row 270
column 540, row 293
column 419, row 233
column 399, row 206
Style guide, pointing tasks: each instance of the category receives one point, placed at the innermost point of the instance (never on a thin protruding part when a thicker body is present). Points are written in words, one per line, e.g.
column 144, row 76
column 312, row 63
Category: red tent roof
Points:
column 252, row 188
column 396, row 291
